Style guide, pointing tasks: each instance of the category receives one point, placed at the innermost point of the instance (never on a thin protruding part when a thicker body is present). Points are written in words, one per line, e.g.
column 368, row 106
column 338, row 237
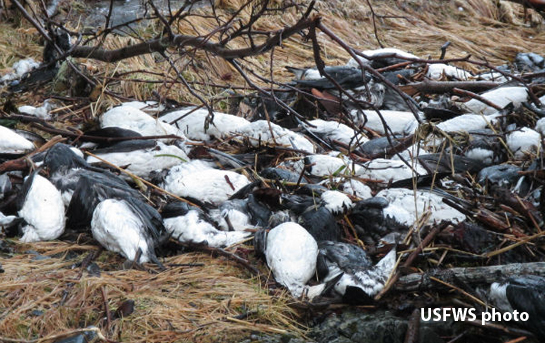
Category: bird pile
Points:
column 344, row 164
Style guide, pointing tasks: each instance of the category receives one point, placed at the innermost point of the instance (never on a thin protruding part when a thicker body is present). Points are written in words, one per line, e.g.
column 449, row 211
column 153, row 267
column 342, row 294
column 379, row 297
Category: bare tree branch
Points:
column 181, row 41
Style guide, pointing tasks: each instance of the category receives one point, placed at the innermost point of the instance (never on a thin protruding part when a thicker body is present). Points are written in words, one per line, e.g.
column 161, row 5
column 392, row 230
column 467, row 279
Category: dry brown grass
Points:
column 197, row 302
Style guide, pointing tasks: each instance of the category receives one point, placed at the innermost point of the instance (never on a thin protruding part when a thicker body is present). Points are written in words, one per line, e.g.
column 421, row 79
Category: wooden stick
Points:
column 476, row 97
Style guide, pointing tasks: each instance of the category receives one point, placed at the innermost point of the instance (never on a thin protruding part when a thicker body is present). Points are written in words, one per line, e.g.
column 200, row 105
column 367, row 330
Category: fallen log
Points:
column 470, row 275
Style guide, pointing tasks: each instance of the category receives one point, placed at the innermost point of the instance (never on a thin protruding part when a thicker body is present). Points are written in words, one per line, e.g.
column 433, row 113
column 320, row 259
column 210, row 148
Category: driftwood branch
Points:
column 472, row 275
column 184, row 41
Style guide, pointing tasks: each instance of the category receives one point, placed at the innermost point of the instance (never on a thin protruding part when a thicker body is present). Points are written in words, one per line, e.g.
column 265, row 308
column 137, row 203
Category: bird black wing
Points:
column 90, row 190
column 349, row 257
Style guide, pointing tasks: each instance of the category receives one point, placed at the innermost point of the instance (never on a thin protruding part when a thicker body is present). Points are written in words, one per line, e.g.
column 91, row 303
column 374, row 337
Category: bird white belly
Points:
column 43, row 210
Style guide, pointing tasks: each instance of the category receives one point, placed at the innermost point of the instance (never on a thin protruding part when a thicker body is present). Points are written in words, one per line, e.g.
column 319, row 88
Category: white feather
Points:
column 183, row 169
column 540, row 126
column 40, row 112
column 399, row 122
column 469, row 122
column 390, row 170
column 192, row 124
column 326, row 165
column 498, row 296
column 311, row 74
column 291, row 254
column 239, row 220
column 486, row 156
column 43, row 210
column 491, row 76
column 13, row 143
column 410, row 153
column 333, row 130
column 142, row 162
column 117, row 228
column 407, row 206
column 191, row 229
column 336, row 202
column 20, row 68
column 259, row 131
column 131, row 118
column 209, row 185
column 523, row 142
column 437, row 70
column 371, row 53
column 357, row 188
column 500, row 96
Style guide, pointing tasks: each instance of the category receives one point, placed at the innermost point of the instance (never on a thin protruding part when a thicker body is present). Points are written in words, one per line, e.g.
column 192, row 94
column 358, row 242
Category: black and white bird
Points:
column 368, row 218
column 132, row 118
column 333, row 163
column 66, row 168
column 485, row 146
column 119, row 218
column 42, row 208
column 407, row 206
column 360, row 280
column 523, row 294
column 189, row 224
column 392, row 170
column 501, row 96
column 123, row 227
column 397, row 122
column 92, row 188
column 282, row 174
column 502, row 175
column 291, row 254
column 232, row 215
column 336, row 202
column 199, row 180
column 140, row 157
column 262, row 132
